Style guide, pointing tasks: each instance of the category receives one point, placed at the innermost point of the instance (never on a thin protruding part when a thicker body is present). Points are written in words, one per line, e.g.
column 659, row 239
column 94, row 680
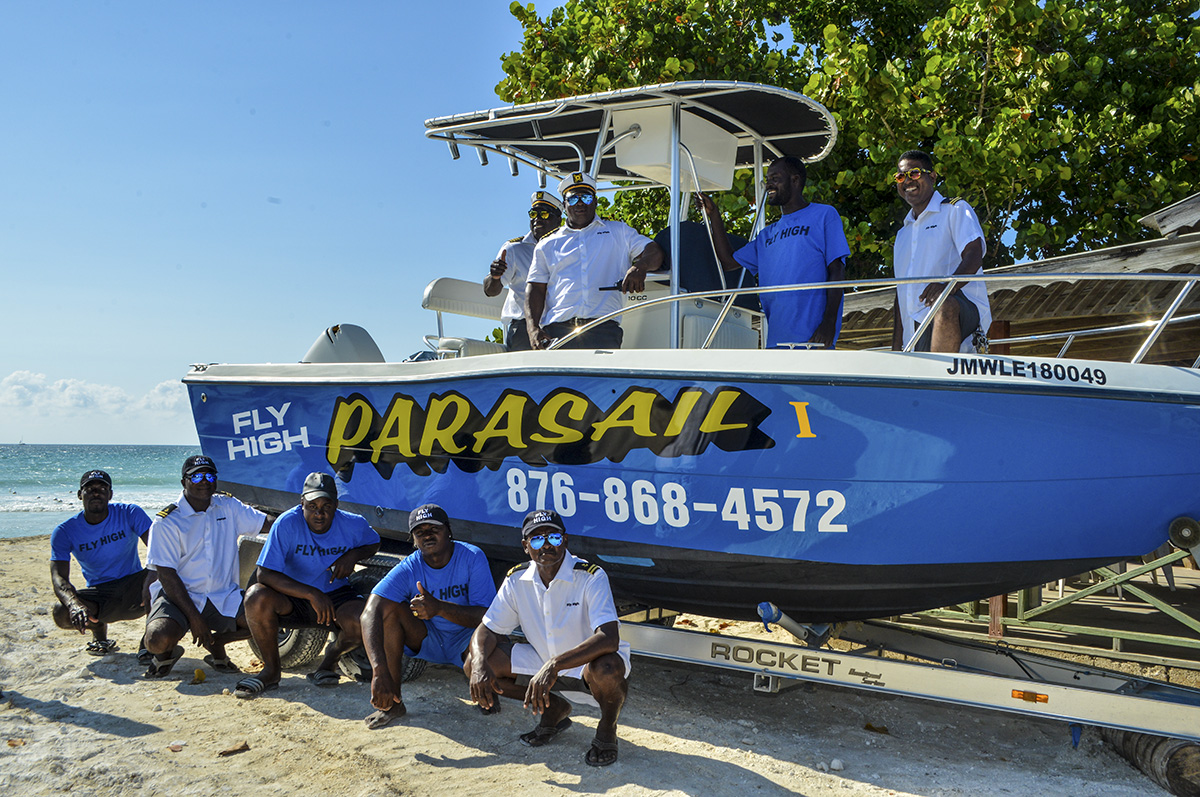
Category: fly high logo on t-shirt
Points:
column 103, row 540
column 787, row 232
column 317, row 550
column 453, row 591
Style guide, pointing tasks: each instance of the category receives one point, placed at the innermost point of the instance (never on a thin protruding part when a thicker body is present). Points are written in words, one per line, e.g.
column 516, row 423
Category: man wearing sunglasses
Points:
column 565, row 609
column 194, row 548
column 940, row 237
column 426, row 607
column 574, row 272
column 511, row 267
column 806, row 244
column 103, row 538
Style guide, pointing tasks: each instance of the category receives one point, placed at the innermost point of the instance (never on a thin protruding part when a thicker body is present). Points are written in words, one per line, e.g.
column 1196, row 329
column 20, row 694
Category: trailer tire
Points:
column 297, row 646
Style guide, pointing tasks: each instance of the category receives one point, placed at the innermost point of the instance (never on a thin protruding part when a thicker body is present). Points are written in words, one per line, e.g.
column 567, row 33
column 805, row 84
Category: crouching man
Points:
column 104, row 540
column 426, row 607
column 193, row 546
column 565, row 608
column 302, row 582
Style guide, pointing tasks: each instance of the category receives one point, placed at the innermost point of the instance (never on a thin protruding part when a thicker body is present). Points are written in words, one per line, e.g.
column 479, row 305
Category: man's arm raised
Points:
column 426, row 607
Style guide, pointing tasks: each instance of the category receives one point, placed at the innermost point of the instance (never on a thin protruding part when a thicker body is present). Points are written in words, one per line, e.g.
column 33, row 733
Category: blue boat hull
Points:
column 834, row 496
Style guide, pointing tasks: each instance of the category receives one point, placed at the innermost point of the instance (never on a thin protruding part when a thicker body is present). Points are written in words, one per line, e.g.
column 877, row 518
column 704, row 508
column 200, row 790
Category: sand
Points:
column 94, row 726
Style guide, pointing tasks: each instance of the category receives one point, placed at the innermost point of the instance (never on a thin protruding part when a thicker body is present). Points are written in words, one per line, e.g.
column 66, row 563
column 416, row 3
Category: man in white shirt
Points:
column 576, row 272
column 565, row 608
column 940, row 237
column 511, row 267
column 193, row 547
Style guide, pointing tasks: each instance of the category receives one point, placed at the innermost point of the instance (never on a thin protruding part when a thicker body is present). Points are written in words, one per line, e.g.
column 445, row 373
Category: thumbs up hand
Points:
column 499, row 266
column 424, row 606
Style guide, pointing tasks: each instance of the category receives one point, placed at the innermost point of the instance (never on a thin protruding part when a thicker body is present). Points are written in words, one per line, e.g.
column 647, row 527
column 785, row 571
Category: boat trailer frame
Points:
column 947, row 670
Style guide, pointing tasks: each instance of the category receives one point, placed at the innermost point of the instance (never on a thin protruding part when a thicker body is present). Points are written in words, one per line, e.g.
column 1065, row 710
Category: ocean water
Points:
column 38, row 482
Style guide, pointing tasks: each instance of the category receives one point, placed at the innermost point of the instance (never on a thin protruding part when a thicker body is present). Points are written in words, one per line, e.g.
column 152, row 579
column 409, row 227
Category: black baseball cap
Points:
column 541, row 517
column 428, row 513
column 94, row 476
column 198, row 463
column 319, row 485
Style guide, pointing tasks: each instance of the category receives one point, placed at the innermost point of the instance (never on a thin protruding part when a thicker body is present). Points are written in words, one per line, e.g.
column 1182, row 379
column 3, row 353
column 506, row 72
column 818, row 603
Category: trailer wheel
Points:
column 297, row 646
column 1184, row 533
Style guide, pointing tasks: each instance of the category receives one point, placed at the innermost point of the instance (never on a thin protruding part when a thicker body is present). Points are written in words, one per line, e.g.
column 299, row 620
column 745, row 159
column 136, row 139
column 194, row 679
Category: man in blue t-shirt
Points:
column 302, row 582
column 103, row 539
column 426, row 607
column 807, row 244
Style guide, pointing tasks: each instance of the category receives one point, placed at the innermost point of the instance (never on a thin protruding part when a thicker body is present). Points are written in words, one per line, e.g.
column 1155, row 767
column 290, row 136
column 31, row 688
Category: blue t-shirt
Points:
column 296, row 551
column 106, row 551
column 797, row 248
column 466, row 580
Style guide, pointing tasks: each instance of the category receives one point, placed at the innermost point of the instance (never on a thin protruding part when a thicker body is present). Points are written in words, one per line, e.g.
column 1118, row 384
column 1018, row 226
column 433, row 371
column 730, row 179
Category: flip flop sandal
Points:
column 249, row 688
column 542, row 734
column 161, row 667
column 102, row 647
column 144, row 657
column 324, row 678
column 380, row 719
column 221, row 665
column 597, row 754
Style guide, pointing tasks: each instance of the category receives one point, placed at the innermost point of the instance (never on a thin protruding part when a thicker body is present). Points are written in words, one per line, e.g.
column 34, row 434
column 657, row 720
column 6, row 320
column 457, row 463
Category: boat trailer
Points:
column 1132, row 712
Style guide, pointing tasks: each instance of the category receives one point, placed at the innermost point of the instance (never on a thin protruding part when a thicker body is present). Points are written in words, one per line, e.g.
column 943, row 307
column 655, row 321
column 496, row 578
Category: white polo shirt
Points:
column 932, row 245
column 202, row 548
column 555, row 618
column 517, row 255
column 575, row 264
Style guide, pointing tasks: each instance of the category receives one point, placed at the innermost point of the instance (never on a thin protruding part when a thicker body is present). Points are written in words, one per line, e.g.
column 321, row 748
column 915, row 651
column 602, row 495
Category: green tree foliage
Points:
column 1062, row 121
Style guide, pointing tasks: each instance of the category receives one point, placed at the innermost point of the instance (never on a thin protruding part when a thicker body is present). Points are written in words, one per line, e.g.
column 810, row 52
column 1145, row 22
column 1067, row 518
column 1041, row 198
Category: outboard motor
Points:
column 344, row 343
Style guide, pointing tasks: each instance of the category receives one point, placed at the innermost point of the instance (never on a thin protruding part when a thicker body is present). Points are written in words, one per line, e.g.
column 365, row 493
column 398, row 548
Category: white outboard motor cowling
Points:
column 344, row 343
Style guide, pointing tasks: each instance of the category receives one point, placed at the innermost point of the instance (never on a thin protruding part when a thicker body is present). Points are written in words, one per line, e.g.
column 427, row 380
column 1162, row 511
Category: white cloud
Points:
column 73, row 410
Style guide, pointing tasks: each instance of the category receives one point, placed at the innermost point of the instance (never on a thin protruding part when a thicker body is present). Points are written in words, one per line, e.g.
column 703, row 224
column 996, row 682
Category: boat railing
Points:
column 729, row 295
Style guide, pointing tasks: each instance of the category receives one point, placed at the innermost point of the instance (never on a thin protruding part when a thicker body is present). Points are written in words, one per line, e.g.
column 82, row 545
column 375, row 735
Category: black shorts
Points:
column 165, row 609
column 968, row 321
column 117, row 600
column 302, row 614
column 518, row 336
column 608, row 335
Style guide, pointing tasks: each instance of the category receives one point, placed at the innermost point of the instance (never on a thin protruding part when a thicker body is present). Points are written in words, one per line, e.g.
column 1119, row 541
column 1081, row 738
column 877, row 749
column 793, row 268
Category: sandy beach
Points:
column 93, row 726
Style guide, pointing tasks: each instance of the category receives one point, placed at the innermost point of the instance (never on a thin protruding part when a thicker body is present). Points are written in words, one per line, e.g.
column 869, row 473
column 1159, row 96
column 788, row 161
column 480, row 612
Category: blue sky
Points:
column 220, row 182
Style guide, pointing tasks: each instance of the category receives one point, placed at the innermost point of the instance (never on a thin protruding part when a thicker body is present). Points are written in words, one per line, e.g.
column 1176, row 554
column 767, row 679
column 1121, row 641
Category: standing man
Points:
column 193, row 546
column 806, row 244
column 572, row 269
column 565, row 608
column 104, row 540
column 426, row 607
column 940, row 237
column 302, row 582
column 511, row 267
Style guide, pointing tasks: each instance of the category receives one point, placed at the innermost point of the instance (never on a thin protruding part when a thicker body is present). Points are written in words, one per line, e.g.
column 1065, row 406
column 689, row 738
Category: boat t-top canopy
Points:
column 624, row 135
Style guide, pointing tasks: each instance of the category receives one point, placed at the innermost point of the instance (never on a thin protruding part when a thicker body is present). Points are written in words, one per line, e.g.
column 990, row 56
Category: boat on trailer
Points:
column 704, row 473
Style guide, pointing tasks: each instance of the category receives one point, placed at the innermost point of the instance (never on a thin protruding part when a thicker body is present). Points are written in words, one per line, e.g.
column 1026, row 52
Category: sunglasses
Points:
column 196, row 478
column 911, row 174
column 583, row 196
column 538, row 540
column 542, row 214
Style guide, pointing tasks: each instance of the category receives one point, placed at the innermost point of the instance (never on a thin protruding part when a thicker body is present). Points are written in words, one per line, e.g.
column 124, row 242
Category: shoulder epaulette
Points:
column 516, row 240
column 168, row 509
column 952, row 200
column 517, row 568
column 587, row 567
column 222, row 492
